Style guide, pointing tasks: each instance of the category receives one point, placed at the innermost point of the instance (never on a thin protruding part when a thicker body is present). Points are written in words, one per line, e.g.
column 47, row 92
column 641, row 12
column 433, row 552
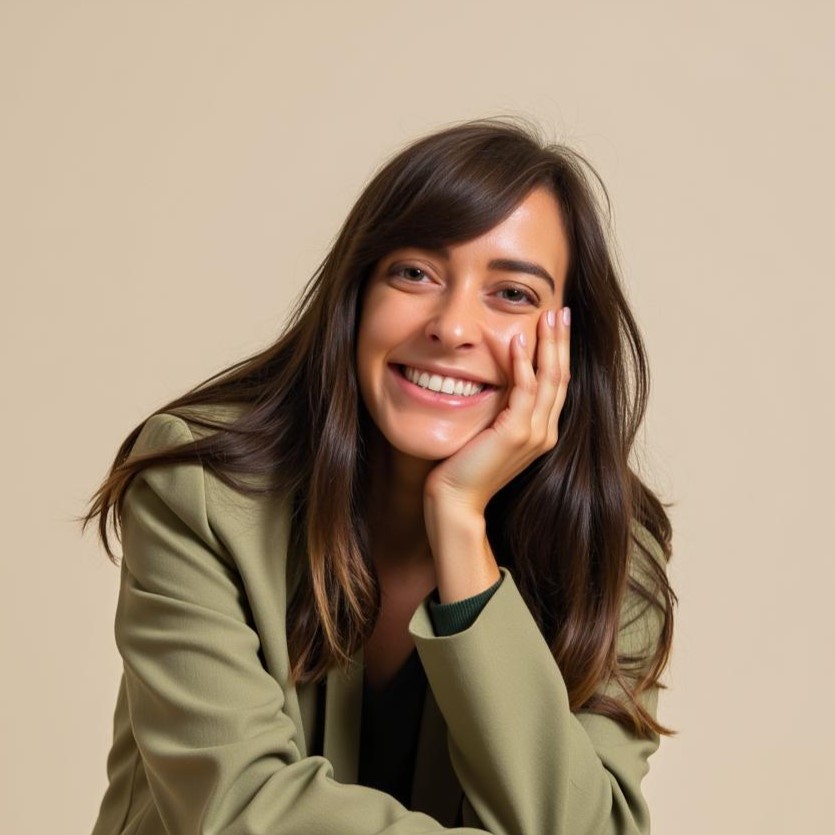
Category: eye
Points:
column 518, row 296
column 412, row 273
column 409, row 272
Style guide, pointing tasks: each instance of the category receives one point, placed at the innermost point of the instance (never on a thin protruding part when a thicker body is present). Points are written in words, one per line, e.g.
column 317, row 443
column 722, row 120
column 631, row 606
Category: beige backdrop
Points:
column 171, row 173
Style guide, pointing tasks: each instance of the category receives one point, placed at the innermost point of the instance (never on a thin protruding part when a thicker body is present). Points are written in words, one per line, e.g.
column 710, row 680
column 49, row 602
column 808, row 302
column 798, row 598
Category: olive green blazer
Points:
column 211, row 737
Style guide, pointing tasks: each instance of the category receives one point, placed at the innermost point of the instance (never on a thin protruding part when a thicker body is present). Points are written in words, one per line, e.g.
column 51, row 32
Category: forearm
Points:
column 464, row 562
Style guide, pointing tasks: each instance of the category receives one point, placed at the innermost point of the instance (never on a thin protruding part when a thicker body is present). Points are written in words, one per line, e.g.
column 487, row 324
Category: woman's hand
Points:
column 457, row 491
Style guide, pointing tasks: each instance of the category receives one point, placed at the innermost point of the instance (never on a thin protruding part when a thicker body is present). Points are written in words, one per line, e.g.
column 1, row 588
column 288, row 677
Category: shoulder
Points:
column 160, row 433
column 166, row 430
column 166, row 491
column 184, row 475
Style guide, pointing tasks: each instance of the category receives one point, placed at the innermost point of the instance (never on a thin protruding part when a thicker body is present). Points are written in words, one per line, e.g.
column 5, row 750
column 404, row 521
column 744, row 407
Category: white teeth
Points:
column 445, row 385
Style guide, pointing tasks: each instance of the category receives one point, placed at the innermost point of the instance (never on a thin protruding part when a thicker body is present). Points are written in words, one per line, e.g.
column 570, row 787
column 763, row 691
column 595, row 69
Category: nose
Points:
column 455, row 322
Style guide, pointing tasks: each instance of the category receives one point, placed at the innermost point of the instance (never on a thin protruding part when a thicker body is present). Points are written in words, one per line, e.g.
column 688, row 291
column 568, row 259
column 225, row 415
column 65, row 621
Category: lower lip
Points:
column 437, row 398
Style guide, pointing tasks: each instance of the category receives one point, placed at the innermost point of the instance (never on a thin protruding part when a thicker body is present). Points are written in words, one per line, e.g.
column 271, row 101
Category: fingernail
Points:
column 523, row 341
column 551, row 317
column 566, row 315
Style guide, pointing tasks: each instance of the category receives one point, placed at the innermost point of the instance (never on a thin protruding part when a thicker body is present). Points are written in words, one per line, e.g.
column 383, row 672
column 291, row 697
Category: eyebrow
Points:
column 512, row 265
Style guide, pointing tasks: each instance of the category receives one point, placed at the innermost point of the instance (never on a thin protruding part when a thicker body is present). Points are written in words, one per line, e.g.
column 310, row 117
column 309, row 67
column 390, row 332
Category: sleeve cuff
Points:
column 451, row 618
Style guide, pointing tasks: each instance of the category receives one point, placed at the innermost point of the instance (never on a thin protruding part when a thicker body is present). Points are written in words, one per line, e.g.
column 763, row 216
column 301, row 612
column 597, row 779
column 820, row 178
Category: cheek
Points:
column 363, row 358
column 378, row 334
column 372, row 342
column 502, row 336
column 366, row 365
column 371, row 321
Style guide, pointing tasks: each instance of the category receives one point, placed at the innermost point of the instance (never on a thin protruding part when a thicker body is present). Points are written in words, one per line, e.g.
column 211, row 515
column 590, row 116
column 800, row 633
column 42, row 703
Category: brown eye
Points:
column 410, row 273
column 516, row 295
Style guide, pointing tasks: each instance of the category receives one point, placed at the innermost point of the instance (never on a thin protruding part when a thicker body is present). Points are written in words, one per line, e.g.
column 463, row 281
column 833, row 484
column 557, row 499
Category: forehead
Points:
column 537, row 221
column 533, row 231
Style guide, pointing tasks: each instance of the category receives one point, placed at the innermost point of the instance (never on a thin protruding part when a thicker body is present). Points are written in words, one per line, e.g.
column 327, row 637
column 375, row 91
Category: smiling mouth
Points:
column 441, row 384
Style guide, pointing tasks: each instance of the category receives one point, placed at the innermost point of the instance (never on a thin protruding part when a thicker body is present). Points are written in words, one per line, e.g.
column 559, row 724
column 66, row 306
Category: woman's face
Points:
column 433, row 349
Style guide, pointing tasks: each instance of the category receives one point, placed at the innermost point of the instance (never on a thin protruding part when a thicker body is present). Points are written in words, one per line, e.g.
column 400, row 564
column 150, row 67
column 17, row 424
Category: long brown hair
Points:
column 566, row 526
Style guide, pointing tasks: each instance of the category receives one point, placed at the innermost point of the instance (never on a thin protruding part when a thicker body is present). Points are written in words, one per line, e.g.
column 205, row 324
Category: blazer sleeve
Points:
column 527, row 764
column 217, row 746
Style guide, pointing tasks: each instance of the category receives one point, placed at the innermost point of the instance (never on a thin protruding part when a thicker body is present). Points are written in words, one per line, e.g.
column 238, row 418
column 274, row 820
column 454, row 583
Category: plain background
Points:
column 171, row 173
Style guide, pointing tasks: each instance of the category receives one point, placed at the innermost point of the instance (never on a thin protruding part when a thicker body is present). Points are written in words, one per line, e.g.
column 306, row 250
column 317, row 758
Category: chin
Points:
column 427, row 451
column 424, row 447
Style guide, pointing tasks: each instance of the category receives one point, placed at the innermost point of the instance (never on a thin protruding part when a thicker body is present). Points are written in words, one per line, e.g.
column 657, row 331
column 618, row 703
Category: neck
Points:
column 395, row 511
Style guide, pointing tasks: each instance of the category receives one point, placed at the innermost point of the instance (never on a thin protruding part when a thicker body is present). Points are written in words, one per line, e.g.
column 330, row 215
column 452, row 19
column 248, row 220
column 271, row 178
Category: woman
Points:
column 394, row 574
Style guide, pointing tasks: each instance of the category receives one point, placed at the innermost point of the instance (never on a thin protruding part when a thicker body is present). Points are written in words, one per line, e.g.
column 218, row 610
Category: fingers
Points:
column 537, row 397
column 520, row 406
column 553, row 360
column 563, row 343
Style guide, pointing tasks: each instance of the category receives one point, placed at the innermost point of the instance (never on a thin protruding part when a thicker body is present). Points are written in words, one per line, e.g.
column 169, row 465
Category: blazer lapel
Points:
column 343, row 713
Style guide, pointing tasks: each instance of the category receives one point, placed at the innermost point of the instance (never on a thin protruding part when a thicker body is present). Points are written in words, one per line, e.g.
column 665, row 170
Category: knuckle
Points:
column 542, row 438
column 518, row 436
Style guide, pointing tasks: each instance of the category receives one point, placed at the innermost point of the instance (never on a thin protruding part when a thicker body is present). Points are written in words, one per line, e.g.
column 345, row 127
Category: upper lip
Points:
column 448, row 371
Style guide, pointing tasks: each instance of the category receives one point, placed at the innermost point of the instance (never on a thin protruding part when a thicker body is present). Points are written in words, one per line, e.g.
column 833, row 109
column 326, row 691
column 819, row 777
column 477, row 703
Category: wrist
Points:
column 464, row 562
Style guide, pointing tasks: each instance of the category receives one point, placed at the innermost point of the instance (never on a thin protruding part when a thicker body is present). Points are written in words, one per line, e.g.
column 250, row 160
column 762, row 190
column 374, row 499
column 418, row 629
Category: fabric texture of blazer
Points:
column 211, row 737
